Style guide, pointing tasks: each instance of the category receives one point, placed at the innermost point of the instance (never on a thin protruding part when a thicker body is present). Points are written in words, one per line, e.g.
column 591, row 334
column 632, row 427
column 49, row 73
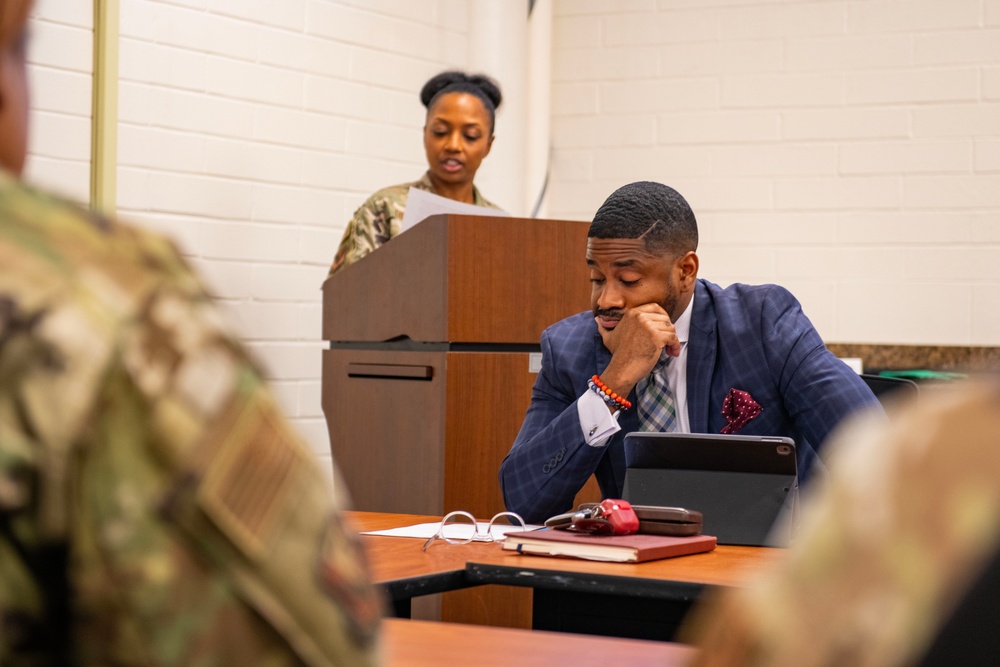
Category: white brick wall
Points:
column 252, row 130
column 249, row 130
column 60, row 57
column 848, row 150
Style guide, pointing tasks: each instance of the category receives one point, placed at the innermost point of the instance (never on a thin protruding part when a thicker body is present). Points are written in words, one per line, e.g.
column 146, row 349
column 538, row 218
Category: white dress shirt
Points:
column 599, row 424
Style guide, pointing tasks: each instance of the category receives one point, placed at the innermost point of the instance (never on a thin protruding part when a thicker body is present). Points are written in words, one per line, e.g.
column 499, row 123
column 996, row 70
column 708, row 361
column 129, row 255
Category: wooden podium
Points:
column 434, row 348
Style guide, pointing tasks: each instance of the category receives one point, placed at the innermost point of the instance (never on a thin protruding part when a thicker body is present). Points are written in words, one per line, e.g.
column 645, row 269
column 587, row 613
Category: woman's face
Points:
column 457, row 137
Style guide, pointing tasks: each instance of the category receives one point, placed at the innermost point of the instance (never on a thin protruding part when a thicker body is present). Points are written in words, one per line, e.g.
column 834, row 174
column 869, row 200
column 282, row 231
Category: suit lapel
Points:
column 701, row 358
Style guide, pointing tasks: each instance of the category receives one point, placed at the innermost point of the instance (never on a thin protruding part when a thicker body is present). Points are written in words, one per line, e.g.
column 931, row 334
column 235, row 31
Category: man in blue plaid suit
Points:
column 741, row 359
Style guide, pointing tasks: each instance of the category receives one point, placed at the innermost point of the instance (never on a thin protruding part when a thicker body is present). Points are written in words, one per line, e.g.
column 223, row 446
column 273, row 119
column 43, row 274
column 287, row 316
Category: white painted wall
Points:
column 848, row 150
column 249, row 131
column 60, row 64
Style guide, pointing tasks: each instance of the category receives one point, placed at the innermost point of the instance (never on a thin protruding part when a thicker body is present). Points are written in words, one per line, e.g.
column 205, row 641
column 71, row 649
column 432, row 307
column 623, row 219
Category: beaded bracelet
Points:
column 610, row 397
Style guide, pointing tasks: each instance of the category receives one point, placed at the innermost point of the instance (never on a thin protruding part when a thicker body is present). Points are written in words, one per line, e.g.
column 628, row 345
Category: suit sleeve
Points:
column 818, row 389
column 550, row 461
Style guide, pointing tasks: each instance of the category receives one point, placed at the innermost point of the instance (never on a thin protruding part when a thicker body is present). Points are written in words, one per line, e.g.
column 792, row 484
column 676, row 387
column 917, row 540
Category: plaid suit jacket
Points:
column 752, row 338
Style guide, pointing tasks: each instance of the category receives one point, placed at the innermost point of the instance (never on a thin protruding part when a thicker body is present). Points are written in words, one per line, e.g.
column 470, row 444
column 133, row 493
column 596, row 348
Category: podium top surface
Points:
column 462, row 279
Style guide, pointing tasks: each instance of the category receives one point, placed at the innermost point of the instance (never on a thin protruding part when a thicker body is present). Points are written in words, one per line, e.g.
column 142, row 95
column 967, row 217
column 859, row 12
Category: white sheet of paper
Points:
column 420, row 204
column 453, row 531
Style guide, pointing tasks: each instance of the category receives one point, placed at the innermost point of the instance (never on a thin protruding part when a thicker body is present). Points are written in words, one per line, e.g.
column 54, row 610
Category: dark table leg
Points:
column 401, row 608
column 608, row 615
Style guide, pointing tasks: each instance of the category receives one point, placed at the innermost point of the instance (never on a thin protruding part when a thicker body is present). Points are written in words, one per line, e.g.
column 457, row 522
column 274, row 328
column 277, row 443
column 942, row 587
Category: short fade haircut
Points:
column 653, row 212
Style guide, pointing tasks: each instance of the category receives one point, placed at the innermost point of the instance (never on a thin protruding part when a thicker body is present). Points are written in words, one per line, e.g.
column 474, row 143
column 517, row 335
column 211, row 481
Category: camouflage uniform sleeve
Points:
column 375, row 222
column 379, row 219
column 908, row 516
column 22, row 600
column 218, row 541
column 140, row 444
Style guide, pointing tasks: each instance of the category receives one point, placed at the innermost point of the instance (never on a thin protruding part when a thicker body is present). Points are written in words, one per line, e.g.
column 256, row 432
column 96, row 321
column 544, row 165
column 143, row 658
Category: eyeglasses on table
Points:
column 460, row 527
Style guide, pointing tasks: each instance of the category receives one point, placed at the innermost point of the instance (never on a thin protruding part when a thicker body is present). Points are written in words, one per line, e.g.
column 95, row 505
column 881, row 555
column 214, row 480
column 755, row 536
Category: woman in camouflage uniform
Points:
column 458, row 134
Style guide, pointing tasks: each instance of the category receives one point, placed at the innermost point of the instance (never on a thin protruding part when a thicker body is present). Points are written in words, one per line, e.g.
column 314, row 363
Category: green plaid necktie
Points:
column 655, row 400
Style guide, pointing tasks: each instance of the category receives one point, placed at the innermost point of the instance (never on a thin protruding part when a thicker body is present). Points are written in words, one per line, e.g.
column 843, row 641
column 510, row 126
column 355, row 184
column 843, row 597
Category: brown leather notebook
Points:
column 635, row 548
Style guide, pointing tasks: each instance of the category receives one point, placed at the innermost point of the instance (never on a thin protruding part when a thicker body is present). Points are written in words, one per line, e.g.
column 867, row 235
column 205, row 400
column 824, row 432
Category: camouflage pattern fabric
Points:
column 378, row 220
column 155, row 507
column 908, row 517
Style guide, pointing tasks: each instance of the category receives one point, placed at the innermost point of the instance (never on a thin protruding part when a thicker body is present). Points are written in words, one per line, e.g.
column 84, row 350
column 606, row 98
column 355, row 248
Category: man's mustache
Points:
column 609, row 313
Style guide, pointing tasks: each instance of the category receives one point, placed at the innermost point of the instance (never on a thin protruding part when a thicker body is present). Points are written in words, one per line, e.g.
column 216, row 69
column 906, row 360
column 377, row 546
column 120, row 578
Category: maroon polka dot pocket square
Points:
column 738, row 408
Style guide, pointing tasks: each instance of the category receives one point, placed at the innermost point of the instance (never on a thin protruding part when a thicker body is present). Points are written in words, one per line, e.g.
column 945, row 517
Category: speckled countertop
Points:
column 931, row 357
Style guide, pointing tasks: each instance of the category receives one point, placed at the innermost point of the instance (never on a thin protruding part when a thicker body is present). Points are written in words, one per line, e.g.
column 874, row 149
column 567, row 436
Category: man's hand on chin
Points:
column 635, row 343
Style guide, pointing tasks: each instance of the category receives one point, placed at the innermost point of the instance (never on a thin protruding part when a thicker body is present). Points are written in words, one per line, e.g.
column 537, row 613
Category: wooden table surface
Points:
column 408, row 643
column 398, row 558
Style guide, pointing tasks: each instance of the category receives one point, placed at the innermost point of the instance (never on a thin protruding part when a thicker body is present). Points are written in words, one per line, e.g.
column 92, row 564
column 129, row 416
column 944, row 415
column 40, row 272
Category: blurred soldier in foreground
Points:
column 155, row 507
column 893, row 539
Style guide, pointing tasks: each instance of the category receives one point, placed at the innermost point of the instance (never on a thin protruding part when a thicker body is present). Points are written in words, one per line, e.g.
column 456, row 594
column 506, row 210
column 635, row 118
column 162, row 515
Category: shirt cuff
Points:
column 596, row 421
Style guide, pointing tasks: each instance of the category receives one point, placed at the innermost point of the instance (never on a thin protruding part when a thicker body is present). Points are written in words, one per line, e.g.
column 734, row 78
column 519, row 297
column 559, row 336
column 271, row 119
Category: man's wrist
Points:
column 614, row 400
column 615, row 383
